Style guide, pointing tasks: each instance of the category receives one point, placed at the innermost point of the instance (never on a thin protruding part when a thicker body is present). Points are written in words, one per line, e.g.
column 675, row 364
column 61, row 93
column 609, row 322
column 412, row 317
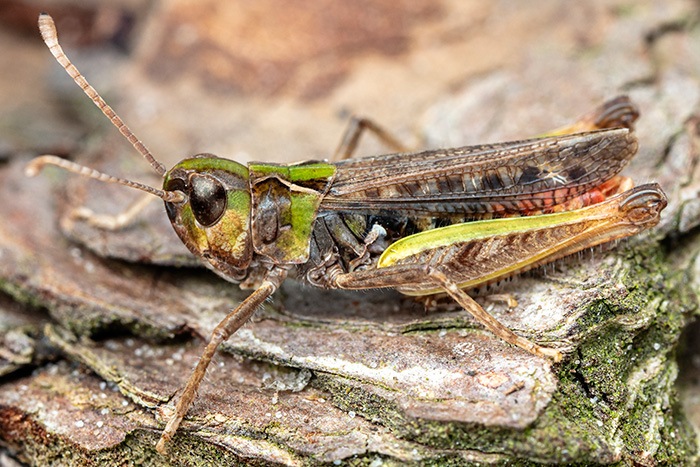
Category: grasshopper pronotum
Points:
column 373, row 222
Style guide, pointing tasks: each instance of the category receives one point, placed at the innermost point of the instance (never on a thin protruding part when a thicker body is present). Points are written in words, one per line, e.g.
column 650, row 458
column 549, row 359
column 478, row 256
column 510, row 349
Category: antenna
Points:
column 48, row 33
column 38, row 163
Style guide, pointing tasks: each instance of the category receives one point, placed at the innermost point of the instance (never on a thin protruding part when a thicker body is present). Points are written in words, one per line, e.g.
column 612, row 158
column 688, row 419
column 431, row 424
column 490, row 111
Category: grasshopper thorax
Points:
column 212, row 218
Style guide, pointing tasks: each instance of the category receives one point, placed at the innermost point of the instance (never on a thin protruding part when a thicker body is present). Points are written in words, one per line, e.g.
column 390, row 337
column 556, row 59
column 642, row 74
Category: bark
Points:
column 99, row 330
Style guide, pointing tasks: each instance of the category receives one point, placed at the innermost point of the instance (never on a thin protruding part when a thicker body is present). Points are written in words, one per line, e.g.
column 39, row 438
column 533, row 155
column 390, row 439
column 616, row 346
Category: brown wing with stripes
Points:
column 503, row 178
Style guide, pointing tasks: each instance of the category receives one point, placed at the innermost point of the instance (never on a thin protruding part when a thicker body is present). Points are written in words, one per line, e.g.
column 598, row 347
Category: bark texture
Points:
column 99, row 330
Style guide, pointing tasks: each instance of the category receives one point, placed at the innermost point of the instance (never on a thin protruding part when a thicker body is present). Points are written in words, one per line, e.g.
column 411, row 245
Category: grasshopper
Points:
column 438, row 221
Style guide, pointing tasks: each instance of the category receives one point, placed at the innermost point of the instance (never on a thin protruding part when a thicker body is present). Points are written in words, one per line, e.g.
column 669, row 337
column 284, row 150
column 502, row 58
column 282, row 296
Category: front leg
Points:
column 116, row 222
column 227, row 327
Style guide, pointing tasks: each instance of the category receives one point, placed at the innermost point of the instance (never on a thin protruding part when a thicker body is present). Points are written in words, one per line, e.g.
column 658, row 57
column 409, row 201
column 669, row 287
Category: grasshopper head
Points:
column 207, row 198
column 212, row 217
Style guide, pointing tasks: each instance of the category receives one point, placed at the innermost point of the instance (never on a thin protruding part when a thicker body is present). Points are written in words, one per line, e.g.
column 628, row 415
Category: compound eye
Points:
column 207, row 199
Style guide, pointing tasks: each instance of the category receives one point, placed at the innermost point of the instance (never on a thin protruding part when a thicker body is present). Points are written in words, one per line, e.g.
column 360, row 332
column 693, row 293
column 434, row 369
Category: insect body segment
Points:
column 398, row 220
column 286, row 200
column 213, row 218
